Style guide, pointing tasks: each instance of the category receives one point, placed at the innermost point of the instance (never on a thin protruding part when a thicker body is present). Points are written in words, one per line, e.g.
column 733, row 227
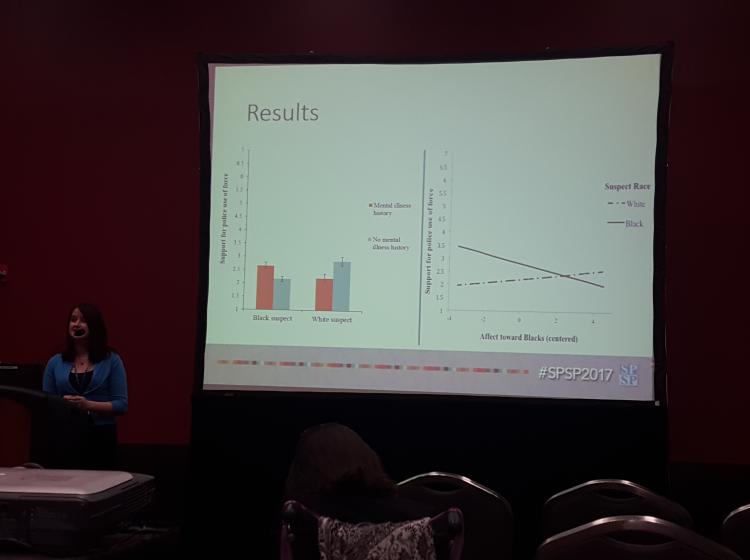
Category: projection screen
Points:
column 463, row 227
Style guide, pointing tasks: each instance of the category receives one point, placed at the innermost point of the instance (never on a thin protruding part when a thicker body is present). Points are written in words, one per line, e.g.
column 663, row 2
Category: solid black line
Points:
column 541, row 54
column 421, row 253
column 659, row 236
column 530, row 266
column 615, row 222
column 205, row 237
column 247, row 207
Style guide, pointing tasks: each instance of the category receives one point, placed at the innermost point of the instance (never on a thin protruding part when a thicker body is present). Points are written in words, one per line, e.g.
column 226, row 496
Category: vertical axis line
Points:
column 450, row 235
column 421, row 252
column 247, row 207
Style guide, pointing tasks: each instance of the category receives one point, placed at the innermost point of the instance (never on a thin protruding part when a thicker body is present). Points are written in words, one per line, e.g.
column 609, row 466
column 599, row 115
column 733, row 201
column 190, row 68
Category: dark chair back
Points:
column 488, row 517
column 735, row 531
column 625, row 537
column 603, row 498
column 299, row 533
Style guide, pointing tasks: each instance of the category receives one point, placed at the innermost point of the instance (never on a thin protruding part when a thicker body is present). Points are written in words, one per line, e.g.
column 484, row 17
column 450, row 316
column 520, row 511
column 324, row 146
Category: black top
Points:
column 80, row 381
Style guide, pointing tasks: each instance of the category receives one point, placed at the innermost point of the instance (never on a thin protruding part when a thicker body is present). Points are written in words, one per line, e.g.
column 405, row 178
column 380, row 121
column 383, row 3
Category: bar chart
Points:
column 275, row 293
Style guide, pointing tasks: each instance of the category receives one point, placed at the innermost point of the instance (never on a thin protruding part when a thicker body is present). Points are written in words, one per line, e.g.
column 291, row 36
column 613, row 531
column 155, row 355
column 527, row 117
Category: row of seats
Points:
column 583, row 504
column 612, row 519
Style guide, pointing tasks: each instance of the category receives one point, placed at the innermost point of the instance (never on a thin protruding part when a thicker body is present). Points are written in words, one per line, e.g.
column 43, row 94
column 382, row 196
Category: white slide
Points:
column 459, row 228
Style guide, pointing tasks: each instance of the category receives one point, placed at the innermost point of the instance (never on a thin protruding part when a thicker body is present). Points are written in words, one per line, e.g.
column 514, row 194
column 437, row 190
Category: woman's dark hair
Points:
column 98, row 345
column 332, row 459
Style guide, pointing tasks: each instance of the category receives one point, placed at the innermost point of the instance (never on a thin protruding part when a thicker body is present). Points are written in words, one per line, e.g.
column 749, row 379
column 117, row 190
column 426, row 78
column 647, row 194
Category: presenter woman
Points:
column 90, row 375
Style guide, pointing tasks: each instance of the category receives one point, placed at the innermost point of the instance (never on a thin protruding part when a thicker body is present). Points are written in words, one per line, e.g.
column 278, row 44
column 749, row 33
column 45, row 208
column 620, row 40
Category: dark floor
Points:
column 709, row 492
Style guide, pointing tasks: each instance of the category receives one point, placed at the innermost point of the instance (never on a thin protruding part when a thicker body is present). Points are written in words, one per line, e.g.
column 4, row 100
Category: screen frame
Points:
column 665, row 50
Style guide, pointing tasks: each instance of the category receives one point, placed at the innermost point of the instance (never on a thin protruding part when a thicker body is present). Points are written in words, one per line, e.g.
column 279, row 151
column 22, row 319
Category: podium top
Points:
column 27, row 376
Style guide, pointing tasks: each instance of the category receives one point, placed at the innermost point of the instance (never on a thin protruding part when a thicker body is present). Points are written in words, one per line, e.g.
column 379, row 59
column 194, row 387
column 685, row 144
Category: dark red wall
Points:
column 100, row 182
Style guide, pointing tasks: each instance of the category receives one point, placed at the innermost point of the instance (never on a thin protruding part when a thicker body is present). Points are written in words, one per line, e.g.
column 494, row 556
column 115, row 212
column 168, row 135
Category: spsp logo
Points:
column 629, row 375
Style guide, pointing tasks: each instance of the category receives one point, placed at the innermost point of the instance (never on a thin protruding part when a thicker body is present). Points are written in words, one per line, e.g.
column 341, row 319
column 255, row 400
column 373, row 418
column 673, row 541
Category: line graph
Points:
column 557, row 274
column 483, row 281
column 519, row 261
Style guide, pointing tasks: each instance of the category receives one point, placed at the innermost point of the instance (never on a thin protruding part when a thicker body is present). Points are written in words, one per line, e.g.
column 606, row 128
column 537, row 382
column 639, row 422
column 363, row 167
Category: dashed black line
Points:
column 508, row 280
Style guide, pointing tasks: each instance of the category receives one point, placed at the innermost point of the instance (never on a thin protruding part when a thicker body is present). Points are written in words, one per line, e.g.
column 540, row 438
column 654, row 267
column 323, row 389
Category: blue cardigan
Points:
column 108, row 384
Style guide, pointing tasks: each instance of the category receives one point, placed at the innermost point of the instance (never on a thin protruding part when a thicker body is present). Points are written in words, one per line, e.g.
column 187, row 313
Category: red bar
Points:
column 323, row 294
column 264, row 289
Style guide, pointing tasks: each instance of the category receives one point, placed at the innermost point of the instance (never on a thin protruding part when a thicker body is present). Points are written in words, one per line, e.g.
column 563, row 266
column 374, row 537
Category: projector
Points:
column 58, row 511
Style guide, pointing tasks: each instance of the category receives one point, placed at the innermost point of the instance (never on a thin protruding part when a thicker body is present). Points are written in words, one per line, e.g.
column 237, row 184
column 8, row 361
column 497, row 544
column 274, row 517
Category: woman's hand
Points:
column 81, row 402
column 90, row 406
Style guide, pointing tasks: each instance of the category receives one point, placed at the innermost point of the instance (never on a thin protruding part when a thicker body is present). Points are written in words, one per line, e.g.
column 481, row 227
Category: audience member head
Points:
column 331, row 459
column 86, row 327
